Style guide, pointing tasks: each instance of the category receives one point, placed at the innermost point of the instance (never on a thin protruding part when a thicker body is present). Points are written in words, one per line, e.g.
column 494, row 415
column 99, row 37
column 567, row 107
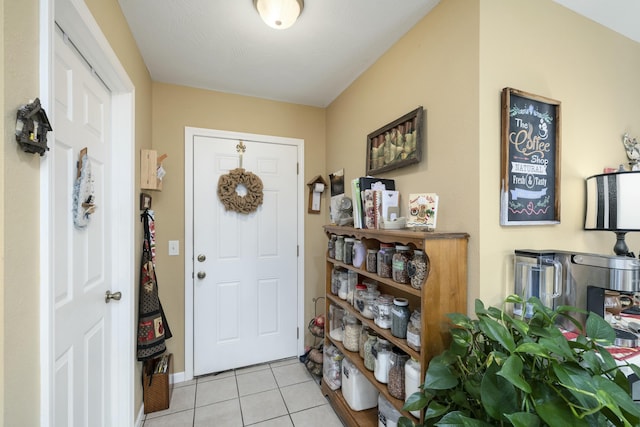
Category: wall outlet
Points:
column 174, row 247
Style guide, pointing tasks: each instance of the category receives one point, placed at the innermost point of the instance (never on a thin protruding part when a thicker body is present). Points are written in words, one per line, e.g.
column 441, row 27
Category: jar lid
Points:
column 402, row 248
column 386, row 245
column 418, row 252
column 401, row 301
column 349, row 239
column 361, row 286
column 371, row 251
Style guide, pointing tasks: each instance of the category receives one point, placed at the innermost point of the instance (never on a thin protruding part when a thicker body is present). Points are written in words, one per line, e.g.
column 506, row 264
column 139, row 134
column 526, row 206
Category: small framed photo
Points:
column 396, row 144
column 145, row 201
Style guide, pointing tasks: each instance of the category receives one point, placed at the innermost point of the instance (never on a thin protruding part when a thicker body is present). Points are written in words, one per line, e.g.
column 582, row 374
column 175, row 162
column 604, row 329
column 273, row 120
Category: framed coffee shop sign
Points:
column 530, row 178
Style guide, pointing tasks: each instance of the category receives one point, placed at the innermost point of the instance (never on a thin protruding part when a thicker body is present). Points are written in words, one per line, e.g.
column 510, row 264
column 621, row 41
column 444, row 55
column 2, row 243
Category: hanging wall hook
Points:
column 241, row 148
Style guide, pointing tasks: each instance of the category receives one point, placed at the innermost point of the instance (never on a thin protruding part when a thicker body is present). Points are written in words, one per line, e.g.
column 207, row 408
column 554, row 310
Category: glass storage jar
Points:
column 336, row 330
column 369, row 356
column 340, row 248
column 382, row 353
column 348, row 250
column 399, row 264
column 369, row 303
column 382, row 311
column 352, row 328
column 359, row 252
column 364, row 336
column 413, row 331
column 358, row 297
column 372, row 261
column 395, row 385
column 332, row 246
column 343, row 278
column 352, row 281
column 400, row 317
column 385, row 259
column 335, row 280
column 411, row 381
column 418, row 269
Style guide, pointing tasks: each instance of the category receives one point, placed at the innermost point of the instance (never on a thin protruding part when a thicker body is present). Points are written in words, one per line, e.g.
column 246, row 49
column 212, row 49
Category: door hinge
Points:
column 298, row 333
column 297, row 168
column 298, row 250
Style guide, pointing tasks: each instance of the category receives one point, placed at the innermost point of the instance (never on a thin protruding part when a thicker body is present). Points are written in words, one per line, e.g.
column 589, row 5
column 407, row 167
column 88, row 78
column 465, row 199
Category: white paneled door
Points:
column 245, row 288
column 81, row 260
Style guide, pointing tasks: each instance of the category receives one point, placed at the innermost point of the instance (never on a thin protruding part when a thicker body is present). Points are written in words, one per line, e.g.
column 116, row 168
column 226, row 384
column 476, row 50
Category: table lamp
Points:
column 613, row 204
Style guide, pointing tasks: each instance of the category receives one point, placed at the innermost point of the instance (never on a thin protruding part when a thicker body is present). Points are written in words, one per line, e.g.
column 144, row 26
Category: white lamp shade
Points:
column 613, row 202
column 279, row 14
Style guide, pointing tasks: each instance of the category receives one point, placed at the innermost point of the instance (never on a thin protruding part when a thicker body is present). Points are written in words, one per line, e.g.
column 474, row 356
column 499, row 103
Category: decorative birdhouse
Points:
column 32, row 126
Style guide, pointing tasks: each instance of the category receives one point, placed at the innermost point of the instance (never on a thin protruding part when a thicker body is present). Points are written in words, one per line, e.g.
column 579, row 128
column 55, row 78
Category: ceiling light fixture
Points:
column 279, row 14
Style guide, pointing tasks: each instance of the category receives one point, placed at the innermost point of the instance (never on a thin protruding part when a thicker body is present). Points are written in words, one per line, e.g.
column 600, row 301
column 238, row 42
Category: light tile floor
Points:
column 278, row 394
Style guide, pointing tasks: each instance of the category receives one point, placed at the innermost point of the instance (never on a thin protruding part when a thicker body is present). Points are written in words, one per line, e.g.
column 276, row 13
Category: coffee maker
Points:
column 572, row 278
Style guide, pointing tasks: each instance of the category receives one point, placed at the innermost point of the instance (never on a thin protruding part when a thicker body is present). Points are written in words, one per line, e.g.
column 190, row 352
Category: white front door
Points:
column 81, row 262
column 245, row 285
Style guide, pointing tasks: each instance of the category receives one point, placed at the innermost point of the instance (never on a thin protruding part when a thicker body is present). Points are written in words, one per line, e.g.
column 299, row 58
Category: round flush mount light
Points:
column 279, row 14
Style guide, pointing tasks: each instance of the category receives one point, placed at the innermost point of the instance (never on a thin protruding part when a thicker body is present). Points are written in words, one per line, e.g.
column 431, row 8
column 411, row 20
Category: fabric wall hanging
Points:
column 153, row 328
column 83, row 195
column 230, row 184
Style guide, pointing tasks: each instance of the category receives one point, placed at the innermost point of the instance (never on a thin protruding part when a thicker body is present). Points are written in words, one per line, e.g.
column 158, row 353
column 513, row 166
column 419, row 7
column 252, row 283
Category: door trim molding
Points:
column 79, row 23
column 189, row 134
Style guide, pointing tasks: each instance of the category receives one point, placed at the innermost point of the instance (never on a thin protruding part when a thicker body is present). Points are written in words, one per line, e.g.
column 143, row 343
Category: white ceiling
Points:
column 223, row 45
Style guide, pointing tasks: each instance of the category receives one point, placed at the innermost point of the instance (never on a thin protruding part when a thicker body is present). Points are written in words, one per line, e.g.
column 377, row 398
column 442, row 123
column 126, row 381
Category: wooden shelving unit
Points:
column 445, row 291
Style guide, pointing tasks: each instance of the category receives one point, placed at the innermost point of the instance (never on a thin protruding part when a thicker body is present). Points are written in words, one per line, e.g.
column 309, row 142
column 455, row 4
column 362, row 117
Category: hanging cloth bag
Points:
column 153, row 328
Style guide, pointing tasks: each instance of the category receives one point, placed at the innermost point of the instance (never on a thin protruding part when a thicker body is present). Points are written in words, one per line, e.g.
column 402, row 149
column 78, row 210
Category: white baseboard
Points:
column 178, row 377
column 140, row 417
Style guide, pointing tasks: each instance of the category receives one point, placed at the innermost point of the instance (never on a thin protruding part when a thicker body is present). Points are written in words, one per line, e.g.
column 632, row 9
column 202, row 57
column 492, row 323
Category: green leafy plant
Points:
column 504, row 370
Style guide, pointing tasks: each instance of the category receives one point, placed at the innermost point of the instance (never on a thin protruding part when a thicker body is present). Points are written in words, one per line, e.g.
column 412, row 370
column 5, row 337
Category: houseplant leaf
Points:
column 439, row 377
column 497, row 332
column 498, row 395
column 523, row 419
column 512, row 372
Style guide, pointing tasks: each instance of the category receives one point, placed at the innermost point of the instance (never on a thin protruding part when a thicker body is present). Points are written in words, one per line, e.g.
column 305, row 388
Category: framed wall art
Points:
column 530, row 167
column 396, row 144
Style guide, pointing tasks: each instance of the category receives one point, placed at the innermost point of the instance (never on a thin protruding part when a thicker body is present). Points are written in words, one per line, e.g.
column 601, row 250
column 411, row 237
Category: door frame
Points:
column 78, row 22
column 189, row 134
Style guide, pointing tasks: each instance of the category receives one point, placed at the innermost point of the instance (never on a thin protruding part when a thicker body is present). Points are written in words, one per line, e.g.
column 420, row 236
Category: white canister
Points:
column 411, row 381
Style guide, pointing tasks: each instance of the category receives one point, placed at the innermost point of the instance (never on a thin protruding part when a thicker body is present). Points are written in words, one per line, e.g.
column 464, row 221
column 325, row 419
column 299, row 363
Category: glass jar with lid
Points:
column 382, row 311
column 335, row 280
column 372, row 261
column 332, row 246
column 359, row 253
column 364, row 336
column 369, row 303
column 399, row 264
column 413, row 331
column 343, row 279
column 340, row 248
column 352, row 327
column 400, row 317
column 358, row 297
column 418, row 269
column 385, row 259
column 382, row 353
column 348, row 250
column 369, row 356
column 395, row 385
column 352, row 281
column 336, row 329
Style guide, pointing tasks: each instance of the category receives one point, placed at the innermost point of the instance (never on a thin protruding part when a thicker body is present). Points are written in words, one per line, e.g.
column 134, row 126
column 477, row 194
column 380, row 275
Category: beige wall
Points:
column 20, row 178
column 434, row 65
column 545, row 49
column 175, row 107
column 19, row 196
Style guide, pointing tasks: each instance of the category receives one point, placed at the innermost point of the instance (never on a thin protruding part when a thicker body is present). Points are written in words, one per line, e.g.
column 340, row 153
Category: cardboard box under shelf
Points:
column 156, row 387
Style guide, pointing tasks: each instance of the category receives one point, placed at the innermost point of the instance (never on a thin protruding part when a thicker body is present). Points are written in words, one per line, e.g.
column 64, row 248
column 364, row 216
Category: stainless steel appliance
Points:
column 572, row 278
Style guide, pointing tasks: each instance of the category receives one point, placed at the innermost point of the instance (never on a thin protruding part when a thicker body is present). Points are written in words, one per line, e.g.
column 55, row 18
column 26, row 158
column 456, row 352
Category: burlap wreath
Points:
column 232, row 201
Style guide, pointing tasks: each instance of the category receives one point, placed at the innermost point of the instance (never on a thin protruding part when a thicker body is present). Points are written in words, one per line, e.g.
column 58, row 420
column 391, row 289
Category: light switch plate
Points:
column 174, row 247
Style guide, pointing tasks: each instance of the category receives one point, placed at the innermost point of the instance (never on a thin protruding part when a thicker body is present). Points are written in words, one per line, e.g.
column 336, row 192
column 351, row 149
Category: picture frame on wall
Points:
column 530, row 159
column 396, row 144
